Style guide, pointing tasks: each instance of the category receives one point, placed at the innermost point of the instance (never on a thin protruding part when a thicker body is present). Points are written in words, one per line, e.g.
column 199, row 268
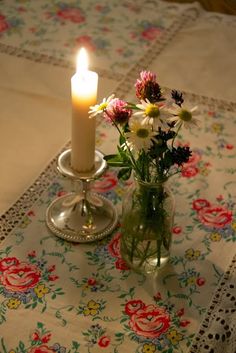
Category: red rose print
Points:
column 121, row 264
column 133, row 306
column 46, row 338
column 3, row 25
column 151, row 321
column 200, row 203
column 104, row 341
column 51, row 268
column 41, row 349
column 200, row 281
column 114, row 245
column 61, row 193
column 35, row 336
column 32, row 253
column 99, row 7
column 180, row 312
column 8, row 262
column 176, row 230
column 86, row 41
column 53, row 277
column 31, row 213
column 189, row 172
column 108, row 182
column 71, row 14
column 211, row 113
column 157, row 296
column 92, row 281
column 215, row 216
column 151, row 33
column 229, row 146
column 184, row 323
column 20, row 277
column 114, row 250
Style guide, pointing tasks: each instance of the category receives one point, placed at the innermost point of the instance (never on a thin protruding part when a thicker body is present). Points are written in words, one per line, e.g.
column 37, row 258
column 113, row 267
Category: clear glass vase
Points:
column 147, row 221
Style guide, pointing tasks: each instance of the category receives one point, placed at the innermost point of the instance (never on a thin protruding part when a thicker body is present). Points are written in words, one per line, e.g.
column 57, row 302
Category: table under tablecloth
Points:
column 83, row 298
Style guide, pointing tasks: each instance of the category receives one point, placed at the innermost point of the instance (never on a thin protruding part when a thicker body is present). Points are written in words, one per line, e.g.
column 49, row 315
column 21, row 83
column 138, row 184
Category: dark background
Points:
column 223, row 6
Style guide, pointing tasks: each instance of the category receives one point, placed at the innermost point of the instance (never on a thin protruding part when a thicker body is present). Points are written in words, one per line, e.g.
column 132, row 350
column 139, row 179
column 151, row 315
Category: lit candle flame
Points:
column 82, row 61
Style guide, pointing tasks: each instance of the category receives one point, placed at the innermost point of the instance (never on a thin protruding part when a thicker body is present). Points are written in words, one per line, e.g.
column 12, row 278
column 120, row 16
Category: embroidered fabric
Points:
column 217, row 333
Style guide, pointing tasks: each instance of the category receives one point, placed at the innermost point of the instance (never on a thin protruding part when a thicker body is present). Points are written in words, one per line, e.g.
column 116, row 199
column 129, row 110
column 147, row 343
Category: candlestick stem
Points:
column 81, row 216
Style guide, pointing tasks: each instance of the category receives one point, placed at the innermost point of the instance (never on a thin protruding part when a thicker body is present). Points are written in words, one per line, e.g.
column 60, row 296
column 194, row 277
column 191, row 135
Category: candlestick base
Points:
column 81, row 216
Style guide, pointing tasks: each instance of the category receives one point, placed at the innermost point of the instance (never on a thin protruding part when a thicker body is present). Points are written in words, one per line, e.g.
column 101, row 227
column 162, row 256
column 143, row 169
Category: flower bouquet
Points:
column 147, row 135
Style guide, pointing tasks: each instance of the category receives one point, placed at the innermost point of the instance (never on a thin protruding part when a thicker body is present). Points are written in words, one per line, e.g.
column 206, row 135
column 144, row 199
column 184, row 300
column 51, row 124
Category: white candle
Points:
column 83, row 94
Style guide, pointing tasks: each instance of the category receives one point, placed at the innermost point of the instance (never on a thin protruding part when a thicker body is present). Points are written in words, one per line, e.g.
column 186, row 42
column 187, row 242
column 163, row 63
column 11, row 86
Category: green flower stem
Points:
column 145, row 254
column 176, row 134
column 128, row 149
column 159, row 252
column 132, row 250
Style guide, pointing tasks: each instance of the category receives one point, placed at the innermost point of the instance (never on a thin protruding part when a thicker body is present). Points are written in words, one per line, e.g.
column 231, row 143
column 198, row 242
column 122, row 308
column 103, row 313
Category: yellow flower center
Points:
column 142, row 133
column 102, row 106
column 152, row 111
column 185, row 115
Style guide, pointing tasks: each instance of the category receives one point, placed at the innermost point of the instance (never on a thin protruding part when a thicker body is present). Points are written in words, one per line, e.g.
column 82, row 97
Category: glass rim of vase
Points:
column 150, row 183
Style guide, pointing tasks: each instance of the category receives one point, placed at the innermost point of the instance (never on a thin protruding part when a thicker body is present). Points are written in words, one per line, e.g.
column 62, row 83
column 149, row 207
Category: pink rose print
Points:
column 133, row 306
column 108, row 182
column 7, row 262
column 190, row 169
column 215, row 216
column 104, row 341
column 150, row 321
column 200, row 203
column 41, row 349
column 20, row 277
column 193, row 159
column 151, row 33
column 71, row 14
column 189, row 172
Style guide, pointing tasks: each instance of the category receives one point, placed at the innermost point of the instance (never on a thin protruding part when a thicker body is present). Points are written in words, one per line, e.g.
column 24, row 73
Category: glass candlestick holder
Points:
column 81, row 216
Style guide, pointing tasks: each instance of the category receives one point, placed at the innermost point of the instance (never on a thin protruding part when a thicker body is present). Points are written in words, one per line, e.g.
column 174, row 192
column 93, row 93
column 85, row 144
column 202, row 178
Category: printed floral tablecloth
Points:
column 59, row 297
column 57, row 28
column 62, row 297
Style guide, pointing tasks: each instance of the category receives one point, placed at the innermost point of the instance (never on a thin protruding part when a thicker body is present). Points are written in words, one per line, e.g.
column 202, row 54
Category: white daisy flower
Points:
column 153, row 114
column 183, row 116
column 140, row 136
column 99, row 108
